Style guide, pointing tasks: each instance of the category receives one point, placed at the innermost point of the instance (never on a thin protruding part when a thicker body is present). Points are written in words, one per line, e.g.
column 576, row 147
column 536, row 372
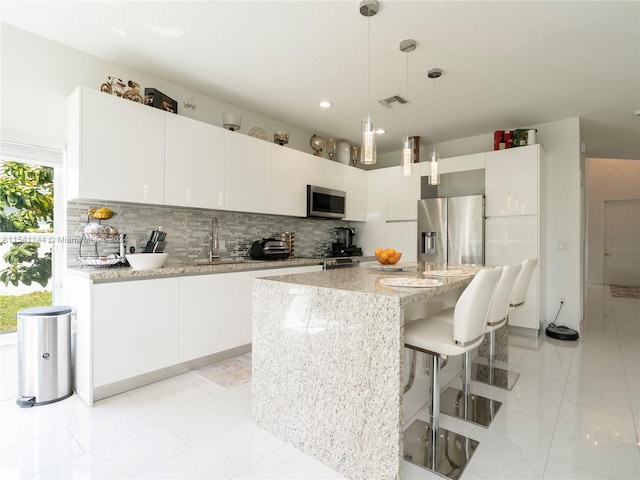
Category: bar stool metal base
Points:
column 443, row 452
column 494, row 376
column 479, row 410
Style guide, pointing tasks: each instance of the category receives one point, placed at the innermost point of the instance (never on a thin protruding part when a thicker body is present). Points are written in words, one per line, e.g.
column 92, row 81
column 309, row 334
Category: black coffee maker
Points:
column 345, row 244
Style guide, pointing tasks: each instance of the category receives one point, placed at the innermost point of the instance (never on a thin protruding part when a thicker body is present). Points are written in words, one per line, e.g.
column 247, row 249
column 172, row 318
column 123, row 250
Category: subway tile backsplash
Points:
column 188, row 230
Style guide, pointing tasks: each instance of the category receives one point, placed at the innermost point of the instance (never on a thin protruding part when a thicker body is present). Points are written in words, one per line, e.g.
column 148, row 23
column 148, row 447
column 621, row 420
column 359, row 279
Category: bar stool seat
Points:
column 426, row 444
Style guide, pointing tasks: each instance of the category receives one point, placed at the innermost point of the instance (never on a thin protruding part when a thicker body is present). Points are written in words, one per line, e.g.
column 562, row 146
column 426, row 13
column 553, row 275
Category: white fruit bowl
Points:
column 146, row 261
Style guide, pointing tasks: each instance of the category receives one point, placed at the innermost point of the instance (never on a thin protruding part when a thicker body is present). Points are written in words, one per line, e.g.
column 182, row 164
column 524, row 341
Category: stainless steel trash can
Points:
column 44, row 355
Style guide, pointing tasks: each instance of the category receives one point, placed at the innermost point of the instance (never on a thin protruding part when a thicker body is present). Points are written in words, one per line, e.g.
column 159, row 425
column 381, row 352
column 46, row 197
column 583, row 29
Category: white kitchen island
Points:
column 328, row 364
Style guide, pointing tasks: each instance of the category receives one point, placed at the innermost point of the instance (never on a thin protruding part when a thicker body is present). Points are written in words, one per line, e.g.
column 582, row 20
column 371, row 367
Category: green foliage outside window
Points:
column 26, row 206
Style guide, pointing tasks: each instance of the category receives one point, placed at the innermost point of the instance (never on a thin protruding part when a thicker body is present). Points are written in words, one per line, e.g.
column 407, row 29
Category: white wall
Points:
column 607, row 179
column 454, row 148
column 38, row 75
column 561, row 142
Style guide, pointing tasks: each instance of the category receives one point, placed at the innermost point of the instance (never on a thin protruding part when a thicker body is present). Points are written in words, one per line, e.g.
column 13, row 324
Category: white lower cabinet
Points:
column 135, row 328
column 209, row 314
column 125, row 333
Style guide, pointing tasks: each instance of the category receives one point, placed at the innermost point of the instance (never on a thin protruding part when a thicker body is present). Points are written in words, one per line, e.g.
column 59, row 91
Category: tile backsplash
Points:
column 188, row 230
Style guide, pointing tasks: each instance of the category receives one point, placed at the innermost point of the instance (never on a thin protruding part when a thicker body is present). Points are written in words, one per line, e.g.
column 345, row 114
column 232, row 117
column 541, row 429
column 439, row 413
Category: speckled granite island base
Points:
column 327, row 365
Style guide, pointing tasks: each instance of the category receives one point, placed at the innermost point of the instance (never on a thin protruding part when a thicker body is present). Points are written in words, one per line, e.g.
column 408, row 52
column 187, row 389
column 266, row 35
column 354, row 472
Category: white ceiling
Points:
column 506, row 64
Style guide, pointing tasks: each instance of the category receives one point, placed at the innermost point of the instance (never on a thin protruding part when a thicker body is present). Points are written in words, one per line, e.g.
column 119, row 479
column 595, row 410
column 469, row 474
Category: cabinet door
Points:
column 289, row 178
column 326, row 173
column 247, row 173
column 135, row 328
column 209, row 314
column 122, row 149
column 194, row 163
column 355, row 185
column 245, row 296
column 402, row 194
column 511, row 181
column 511, row 240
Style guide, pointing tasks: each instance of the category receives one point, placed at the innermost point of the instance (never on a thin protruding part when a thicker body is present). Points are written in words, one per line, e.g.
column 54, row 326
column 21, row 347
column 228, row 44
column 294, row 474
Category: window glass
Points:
column 26, row 237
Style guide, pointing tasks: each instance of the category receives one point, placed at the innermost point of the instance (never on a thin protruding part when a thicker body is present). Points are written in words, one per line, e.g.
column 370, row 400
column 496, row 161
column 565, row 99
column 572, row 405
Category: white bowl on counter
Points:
column 146, row 261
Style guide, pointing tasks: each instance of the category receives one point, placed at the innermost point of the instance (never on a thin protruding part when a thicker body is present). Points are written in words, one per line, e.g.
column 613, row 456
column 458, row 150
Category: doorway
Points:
column 622, row 242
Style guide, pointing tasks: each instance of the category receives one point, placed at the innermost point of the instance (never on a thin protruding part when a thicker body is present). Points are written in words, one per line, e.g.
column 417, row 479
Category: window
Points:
column 28, row 227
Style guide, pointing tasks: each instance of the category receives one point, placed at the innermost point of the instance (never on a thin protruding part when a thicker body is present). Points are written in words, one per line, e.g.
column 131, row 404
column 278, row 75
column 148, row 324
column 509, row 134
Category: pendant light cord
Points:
column 408, row 96
column 434, row 115
column 369, row 68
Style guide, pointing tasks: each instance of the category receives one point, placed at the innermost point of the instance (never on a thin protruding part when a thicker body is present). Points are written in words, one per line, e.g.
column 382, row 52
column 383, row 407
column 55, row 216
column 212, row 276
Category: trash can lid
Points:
column 44, row 311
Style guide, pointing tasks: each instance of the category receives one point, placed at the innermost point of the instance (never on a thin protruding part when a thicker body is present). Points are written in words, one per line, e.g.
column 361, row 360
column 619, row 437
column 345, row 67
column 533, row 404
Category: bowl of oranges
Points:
column 387, row 256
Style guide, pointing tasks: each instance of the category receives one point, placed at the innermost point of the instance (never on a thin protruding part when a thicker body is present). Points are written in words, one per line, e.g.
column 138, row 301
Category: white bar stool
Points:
column 426, row 444
column 498, row 316
column 519, row 294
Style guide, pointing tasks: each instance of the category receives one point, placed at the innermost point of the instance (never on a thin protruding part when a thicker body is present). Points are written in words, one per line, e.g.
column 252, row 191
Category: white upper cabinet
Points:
column 512, row 181
column 377, row 195
column 355, row 186
column 116, row 149
column 290, row 172
column 194, row 163
column 402, row 194
column 326, row 173
column 247, row 173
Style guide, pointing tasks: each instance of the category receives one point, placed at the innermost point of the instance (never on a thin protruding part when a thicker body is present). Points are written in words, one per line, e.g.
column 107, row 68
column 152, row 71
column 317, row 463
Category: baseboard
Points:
column 141, row 380
column 525, row 332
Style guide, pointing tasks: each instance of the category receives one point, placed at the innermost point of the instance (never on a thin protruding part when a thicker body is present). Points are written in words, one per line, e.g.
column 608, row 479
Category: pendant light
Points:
column 434, row 175
column 407, row 142
column 368, row 8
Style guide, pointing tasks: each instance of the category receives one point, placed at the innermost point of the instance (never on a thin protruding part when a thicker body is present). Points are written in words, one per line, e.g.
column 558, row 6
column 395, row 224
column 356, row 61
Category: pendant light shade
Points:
column 368, row 8
column 434, row 174
column 407, row 142
column 406, row 162
column 368, row 150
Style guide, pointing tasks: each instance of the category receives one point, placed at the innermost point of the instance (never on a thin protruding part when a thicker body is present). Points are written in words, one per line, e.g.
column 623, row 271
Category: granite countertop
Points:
column 175, row 270
column 366, row 280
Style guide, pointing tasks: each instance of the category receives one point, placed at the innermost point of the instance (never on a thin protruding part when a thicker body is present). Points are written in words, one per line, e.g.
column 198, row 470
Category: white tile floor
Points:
column 574, row 414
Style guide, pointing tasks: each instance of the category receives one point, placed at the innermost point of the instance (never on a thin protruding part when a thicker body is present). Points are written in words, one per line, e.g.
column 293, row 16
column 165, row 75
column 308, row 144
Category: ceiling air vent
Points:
column 393, row 102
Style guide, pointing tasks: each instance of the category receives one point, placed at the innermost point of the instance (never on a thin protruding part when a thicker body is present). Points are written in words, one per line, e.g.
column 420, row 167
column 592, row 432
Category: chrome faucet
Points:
column 213, row 240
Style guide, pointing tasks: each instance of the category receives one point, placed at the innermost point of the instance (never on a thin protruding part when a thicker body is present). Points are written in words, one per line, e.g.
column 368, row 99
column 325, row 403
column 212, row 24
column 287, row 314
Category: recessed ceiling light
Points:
column 325, row 104
column 380, row 131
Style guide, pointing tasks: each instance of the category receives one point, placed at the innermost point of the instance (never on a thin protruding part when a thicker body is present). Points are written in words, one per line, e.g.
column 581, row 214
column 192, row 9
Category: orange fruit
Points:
column 390, row 251
column 384, row 256
column 378, row 251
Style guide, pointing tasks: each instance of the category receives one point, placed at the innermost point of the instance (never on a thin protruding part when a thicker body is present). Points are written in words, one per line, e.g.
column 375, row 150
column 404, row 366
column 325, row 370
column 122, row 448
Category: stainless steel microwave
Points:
column 325, row 202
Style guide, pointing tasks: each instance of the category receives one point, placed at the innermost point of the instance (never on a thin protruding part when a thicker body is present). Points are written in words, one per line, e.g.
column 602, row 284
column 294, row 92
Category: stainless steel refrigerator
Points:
column 451, row 230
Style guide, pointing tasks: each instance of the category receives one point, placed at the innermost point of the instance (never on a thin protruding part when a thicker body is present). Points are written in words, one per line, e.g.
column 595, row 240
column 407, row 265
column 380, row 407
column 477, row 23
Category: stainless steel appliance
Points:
column 325, row 202
column 451, row 230
column 340, row 262
column 345, row 244
column 269, row 249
